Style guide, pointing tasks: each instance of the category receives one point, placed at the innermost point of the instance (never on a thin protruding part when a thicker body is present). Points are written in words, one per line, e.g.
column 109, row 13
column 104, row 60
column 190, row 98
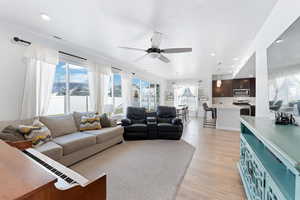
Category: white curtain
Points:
column 98, row 83
column 126, row 80
column 40, row 63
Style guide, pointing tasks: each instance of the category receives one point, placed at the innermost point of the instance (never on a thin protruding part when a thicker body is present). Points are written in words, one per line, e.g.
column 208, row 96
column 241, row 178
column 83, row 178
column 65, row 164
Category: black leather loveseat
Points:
column 162, row 124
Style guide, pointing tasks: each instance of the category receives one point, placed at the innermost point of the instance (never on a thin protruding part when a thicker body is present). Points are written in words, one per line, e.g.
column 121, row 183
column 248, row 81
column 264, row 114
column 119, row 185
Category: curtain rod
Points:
column 16, row 39
column 121, row 70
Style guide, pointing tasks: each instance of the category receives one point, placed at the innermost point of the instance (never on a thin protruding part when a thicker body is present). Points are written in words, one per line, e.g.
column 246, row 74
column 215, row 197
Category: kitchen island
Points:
column 228, row 116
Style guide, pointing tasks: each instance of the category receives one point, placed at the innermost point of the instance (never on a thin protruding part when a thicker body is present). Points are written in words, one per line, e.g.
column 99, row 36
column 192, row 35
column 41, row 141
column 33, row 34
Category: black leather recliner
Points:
column 135, row 126
column 168, row 126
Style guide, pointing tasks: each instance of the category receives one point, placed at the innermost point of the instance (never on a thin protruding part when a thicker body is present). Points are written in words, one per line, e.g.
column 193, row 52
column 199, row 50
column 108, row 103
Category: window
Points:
column 135, row 92
column 78, row 88
column 70, row 90
column 186, row 95
column 145, row 94
column 115, row 94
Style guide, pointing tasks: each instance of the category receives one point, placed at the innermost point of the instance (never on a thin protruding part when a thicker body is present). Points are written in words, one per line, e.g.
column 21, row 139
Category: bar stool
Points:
column 186, row 113
column 206, row 122
column 180, row 114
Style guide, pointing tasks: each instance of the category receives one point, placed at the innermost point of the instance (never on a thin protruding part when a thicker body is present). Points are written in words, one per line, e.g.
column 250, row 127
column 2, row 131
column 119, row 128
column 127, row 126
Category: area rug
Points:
column 141, row 170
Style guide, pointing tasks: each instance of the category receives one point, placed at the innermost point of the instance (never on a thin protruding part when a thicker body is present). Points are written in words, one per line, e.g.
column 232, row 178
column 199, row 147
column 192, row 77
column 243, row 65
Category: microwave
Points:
column 241, row 92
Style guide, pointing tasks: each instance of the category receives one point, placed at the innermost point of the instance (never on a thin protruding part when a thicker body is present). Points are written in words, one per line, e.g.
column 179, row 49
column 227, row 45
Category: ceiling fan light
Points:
column 154, row 55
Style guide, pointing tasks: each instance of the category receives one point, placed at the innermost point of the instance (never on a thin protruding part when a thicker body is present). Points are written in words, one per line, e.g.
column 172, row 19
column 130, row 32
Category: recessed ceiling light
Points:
column 236, row 59
column 213, row 54
column 45, row 17
column 279, row 41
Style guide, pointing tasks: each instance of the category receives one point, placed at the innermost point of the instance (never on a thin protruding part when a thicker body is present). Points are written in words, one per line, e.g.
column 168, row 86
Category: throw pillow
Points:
column 11, row 134
column 104, row 120
column 78, row 115
column 113, row 123
column 88, row 123
column 38, row 133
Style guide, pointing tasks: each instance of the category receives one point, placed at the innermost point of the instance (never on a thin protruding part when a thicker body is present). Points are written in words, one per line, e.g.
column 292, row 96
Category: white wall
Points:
column 12, row 77
column 282, row 16
column 12, row 74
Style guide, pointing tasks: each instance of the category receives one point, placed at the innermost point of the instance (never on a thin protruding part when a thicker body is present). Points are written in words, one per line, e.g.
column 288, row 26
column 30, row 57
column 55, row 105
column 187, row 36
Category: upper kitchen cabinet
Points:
column 241, row 83
column 227, row 87
column 224, row 91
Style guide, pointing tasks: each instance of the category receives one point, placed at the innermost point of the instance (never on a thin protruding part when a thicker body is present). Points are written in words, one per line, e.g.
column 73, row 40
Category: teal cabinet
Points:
column 266, row 171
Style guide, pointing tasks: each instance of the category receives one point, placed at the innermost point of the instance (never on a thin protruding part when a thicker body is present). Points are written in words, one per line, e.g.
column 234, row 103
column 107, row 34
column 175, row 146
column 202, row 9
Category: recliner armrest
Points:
column 151, row 120
column 177, row 121
column 126, row 122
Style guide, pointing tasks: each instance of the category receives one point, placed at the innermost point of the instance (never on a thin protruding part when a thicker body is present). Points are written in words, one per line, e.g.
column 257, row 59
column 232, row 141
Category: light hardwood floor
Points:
column 213, row 174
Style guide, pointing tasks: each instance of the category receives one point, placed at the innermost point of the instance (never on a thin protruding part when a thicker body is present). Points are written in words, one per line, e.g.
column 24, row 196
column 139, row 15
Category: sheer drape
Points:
column 98, row 83
column 40, row 69
column 126, row 90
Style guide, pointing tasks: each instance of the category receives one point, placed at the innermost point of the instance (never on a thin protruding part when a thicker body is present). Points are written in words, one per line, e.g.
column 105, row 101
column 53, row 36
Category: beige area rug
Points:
column 141, row 170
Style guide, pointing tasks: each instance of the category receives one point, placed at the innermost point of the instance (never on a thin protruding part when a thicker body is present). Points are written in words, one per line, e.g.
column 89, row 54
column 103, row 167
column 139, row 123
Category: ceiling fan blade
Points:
column 177, row 50
column 140, row 58
column 134, row 49
column 156, row 39
column 164, row 58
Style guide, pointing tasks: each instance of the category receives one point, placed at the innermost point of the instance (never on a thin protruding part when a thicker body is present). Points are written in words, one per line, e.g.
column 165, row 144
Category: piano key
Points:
column 56, row 168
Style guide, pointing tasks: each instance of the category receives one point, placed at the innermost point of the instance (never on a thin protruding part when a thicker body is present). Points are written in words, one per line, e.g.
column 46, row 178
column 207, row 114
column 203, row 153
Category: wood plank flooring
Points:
column 213, row 174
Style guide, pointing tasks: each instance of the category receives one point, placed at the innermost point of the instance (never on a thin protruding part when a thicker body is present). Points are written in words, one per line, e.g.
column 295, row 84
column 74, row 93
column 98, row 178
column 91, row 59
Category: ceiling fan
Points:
column 155, row 52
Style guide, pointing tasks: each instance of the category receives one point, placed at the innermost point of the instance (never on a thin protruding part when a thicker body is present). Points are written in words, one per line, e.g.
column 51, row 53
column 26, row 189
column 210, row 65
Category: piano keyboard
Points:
column 64, row 174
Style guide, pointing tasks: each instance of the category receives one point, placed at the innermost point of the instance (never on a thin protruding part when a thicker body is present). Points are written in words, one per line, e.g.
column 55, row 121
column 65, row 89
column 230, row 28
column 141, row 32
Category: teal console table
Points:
column 269, row 159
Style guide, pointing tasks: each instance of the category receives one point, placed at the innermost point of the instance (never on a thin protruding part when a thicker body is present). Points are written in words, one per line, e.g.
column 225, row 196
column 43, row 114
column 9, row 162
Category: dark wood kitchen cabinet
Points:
column 224, row 91
column 241, row 83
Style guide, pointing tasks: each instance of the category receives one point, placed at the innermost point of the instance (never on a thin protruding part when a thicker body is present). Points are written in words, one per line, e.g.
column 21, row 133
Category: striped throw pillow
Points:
column 38, row 133
column 90, row 122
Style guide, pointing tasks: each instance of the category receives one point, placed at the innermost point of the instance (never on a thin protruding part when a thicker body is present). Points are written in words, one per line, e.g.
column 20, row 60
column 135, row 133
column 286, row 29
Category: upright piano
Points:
column 30, row 175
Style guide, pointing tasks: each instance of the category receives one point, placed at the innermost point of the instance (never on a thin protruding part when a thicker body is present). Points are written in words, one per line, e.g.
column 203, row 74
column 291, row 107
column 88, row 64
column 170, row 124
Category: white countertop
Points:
column 228, row 106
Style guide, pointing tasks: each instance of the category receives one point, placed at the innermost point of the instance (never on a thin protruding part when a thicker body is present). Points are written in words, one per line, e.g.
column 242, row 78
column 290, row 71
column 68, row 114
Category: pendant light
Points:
column 219, row 81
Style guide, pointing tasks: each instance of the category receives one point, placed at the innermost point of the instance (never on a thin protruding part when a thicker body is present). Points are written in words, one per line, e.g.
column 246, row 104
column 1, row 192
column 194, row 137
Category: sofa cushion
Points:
column 136, row 128
column 138, row 121
column 164, row 120
column 136, row 113
column 166, row 127
column 59, row 125
column 51, row 149
column 75, row 141
column 166, row 112
column 106, row 134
